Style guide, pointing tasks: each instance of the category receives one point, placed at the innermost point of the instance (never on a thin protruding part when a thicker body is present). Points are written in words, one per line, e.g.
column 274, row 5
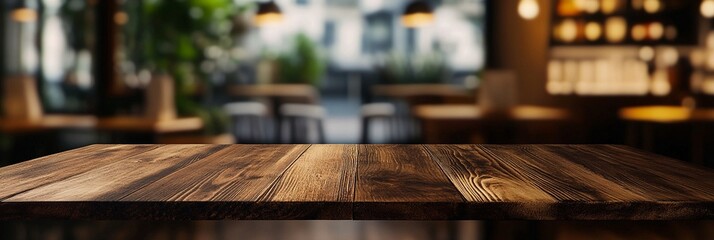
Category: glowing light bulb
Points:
column 615, row 29
column 656, row 30
column 646, row 53
column 609, row 6
column 639, row 32
column 593, row 31
column 568, row 30
column 528, row 9
column 652, row 6
column 707, row 8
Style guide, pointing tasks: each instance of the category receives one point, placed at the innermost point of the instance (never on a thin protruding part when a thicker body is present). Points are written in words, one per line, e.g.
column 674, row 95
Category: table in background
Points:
column 415, row 94
column 40, row 137
column 152, row 129
column 360, row 182
column 442, row 123
column 48, row 123
column 642, row 121
column 280, row 93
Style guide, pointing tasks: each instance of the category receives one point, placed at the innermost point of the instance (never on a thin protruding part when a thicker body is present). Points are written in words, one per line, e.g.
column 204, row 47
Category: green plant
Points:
column 302, row 63
column 402, row 69
column 173, row 33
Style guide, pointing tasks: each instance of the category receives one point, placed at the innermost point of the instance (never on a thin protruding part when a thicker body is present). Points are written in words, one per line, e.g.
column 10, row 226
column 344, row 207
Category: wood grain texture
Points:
column 116, row 180
column 324, row 176
column 36, row 173
column 586, row 182
column 402, row 182
column 196, row 182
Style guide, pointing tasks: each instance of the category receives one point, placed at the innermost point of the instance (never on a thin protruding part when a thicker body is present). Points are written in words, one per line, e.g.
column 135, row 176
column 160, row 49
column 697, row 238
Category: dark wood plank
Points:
column 323, row 177
column 656, row 177
column 484, row 179
column 402, row 182
column 28, row 175
column 113, row 181
column 228, row 185
column 584, row 193
column 195, row 182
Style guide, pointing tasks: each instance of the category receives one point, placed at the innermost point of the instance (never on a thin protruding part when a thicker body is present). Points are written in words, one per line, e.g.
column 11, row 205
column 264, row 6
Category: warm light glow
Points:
column 709, row 61
column 639, row 32
column 708, row 86
column 568, row 30
column 615, row 29
column 121, row 18
column 24, row 15
column 268, row 18
column 668, row 56
column 528, row 9
column 652, row 6
column 568, row 8
column 660, row 83
column 589, row 6
column 609, row 6
column 657, row 113
column 593, row 31
column 656, row 31
column 707, row 8
column 697, row 58
column 646, row 53
column 417, row 19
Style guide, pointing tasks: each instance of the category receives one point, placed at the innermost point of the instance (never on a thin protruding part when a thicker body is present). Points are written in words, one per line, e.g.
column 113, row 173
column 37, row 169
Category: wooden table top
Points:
column 48, row 122
column 193, row 182
column 141, row 124
column 302, row 92
column 474, row 112
column 667, row 114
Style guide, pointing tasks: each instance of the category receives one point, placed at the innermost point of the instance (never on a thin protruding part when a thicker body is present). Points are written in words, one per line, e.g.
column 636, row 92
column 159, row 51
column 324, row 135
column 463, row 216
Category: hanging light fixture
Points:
column 417, row 14
column 268, row 12
column 528, row 9
column 23, row 13
column 707, row 8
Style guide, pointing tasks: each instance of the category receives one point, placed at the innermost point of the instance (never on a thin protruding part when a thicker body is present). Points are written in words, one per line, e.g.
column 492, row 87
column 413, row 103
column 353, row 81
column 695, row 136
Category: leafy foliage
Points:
column 302, row 63
column 427, row 68
column 173, row 33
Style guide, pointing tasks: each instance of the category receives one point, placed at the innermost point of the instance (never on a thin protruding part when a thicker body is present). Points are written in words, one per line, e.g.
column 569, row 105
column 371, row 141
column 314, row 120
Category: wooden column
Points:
column 105, row 64
column 3, row 16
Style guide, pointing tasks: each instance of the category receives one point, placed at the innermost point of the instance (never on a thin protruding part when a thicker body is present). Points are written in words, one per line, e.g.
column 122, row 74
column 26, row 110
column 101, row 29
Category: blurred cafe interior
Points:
column 634, row 72
column 631, row 72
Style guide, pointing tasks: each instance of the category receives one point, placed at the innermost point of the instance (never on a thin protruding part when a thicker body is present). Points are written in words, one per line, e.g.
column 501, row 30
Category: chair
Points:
column 298, row 118
column 386, row 112
column 248, row 120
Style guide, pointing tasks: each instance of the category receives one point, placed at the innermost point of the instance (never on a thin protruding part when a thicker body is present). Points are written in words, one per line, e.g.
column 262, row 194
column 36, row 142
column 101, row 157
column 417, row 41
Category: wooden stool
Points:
column 247, row 121
column 298, row 117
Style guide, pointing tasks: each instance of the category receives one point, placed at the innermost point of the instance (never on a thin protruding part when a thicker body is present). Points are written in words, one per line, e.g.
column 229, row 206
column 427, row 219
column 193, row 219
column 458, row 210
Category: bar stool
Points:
column 248, row 120
column 384, row 112
column 300, row 119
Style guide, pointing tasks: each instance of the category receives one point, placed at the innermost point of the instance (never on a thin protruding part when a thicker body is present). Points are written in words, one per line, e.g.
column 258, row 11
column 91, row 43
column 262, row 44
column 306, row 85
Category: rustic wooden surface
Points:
column 416, row 182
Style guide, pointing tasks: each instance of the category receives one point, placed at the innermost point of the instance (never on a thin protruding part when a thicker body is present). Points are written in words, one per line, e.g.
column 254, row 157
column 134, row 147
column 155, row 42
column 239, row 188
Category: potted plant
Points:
column 302, row 63
column 174, row 34
column 419, row 69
